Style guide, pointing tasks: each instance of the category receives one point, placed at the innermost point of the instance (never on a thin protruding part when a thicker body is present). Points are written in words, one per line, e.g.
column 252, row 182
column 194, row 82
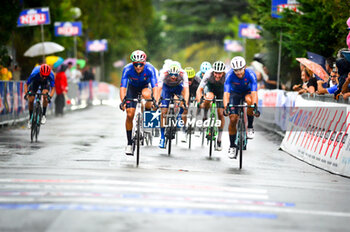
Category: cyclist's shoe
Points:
column 43, row 120
column 162, row 143
column 232, row 152
column 251, row 133
column 128, row 150
column 183, row 137
column 29, row 125
column 218, row 146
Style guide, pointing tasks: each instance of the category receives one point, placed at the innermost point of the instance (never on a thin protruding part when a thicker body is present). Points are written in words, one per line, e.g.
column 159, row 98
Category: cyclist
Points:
column 43, row 77
column 193, row 83
column 135, row 79
column 241, row 83
column 205, row 66
column 172, row 81
column 213, row 85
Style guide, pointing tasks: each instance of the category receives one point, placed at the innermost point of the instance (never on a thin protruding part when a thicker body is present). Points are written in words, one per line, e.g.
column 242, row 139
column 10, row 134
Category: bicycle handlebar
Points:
column 181, row 99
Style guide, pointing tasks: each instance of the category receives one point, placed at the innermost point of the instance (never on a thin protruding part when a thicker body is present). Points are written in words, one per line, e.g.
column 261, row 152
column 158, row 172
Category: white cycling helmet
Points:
column 219, row 66
column 174, row 69
column 138, row 56
column 205, row 66
column 237, row 62
column 168, row 61
column 177, row 63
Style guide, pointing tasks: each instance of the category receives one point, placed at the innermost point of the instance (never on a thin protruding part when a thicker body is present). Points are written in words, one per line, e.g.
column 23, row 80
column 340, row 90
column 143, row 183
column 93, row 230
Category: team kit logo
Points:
column 152, row 119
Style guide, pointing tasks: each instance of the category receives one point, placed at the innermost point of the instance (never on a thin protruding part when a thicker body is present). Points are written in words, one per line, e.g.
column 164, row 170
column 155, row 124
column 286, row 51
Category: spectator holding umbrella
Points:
column 61, row 89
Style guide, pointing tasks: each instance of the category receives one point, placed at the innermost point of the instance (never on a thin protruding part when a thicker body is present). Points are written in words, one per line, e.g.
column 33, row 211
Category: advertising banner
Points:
column 278, row 6
column 249, row 31
column 319, row 135
column 34, row 17
column 233, row 46
column 68, row 28
column 97, row 45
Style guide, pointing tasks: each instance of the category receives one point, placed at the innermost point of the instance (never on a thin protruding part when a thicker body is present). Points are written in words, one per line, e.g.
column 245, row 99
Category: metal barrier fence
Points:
column 14, row 108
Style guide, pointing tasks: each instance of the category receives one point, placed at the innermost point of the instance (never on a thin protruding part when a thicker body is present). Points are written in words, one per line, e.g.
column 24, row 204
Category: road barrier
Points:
column 14, row 109
column 315, row 129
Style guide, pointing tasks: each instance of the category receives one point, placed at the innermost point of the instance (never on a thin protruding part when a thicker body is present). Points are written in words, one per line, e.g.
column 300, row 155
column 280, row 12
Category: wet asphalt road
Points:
column 77, row 178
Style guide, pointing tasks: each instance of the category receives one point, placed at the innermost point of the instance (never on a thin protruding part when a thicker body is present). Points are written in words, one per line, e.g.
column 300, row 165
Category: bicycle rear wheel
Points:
column 189, row 132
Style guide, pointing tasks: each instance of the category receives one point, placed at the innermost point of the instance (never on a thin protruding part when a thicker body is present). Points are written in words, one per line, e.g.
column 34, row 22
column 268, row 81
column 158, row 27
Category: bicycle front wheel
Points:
column 138, row 138
column 240, row 141
column 33, row 127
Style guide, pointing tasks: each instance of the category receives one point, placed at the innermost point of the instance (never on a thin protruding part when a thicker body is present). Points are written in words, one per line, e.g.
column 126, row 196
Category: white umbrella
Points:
column 44, row 48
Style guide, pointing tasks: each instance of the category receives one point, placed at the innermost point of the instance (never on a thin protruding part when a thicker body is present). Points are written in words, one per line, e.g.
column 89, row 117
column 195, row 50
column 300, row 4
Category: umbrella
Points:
column 81, row 63
column 55, row 61
column 44, row 48
column 314, row 67
column 346, row 54
column 73, row 60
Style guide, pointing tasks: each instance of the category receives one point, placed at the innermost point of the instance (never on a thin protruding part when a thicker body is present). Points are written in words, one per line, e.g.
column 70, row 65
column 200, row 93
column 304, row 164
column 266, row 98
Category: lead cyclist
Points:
column 240, row 84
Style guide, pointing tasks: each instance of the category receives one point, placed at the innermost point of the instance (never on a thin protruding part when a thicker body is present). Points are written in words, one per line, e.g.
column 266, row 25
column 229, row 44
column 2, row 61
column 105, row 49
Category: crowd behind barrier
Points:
column 14, row 108
column 314, row 128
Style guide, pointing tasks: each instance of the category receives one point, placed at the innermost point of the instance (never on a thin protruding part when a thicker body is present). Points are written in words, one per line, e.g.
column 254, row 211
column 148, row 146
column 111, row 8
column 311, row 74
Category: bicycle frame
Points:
column 138, row 133
column 36, row 117
column 212, row 131
column 171, row 121
column 241, row 138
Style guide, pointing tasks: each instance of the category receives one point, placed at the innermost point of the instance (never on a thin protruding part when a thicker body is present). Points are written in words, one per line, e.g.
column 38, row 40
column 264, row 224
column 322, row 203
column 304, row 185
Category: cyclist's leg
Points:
column 33, row 88
column 164, row 109
column 210, row 96
column 250, row 116
column 219, row 93
column 131, row 92
column 235, row 99
column 147, row 94
column 250, row 111
column 45, row 90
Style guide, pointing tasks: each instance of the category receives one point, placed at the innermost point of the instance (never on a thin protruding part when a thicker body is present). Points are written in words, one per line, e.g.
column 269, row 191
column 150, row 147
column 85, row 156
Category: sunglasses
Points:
column 333, row 76
column 238, row 70
column 138, row 64
column 174, row 74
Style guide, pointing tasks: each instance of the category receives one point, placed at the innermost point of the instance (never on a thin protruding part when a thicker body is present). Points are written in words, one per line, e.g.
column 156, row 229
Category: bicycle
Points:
column 36, row 116
column 212, row 130
column 191, row 128
column 172, row 114
column 138, row 133
column 241, row 138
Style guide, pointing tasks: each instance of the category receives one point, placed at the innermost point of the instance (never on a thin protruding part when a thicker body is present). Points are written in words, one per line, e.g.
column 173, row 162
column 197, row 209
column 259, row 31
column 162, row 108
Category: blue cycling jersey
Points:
column 35, row 76
column 130, row 76
column 240, row 85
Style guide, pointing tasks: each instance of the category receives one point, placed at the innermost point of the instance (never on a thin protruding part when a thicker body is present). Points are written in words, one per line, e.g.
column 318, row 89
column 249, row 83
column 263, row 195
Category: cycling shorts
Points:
column 168, row 92
column 133, row 92
column 236, row 99
column 35, row 85
column 218, row 91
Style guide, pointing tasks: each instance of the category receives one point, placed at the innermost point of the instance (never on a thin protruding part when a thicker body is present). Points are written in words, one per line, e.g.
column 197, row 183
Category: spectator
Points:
column 88, row 74
column 310, row 84
column 299, row 87
column 330, row 64
column 346, row 87
column 343, row 70
column 16, row 73
column 61, row 89
column 332, row 84
column 260, row 74
column 69, row 72
column 5, row 74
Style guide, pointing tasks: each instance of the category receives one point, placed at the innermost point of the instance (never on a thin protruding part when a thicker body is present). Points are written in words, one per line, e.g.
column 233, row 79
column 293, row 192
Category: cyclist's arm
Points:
column 186, row 94
column 226, row 99
column 52, row 91
column 122, row 93
column 199, row 94
column 255, row 97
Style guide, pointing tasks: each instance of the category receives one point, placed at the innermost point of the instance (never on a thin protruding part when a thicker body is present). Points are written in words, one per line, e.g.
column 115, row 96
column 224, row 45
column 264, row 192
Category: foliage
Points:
column 321, row 28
